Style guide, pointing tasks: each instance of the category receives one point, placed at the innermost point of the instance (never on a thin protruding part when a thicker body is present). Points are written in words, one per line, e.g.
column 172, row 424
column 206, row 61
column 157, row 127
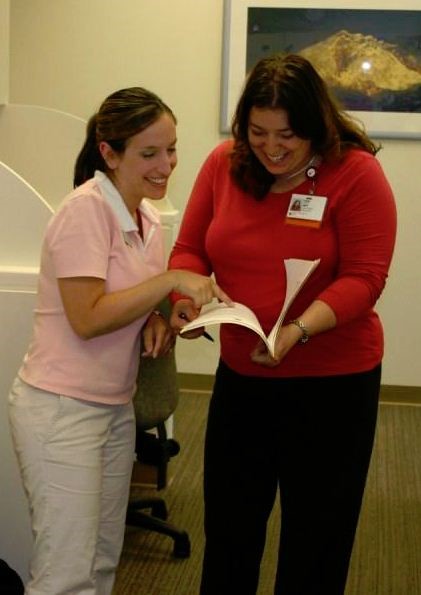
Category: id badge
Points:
column 306, row 210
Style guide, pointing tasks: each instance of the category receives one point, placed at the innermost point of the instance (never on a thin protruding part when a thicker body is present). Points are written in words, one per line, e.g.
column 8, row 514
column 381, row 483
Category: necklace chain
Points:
column 300, row 171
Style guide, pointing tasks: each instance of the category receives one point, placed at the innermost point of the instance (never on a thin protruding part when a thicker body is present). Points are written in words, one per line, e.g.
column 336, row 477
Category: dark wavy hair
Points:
column 291, row 83
column 121, row 115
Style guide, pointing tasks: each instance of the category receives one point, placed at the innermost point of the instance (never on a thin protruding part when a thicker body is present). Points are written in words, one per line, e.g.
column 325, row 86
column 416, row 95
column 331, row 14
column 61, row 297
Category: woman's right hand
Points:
column 201, row 289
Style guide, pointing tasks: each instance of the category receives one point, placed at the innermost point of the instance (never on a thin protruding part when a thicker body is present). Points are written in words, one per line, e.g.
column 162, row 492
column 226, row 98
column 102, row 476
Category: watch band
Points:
column 304, row 330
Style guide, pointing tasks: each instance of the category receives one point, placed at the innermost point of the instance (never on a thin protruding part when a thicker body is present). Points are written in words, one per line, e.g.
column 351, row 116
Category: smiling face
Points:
column 143, row 168
column 273, row 142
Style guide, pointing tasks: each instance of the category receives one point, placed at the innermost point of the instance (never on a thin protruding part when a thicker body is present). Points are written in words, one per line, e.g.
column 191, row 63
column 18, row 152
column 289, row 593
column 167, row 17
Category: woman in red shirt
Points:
column 304, row 420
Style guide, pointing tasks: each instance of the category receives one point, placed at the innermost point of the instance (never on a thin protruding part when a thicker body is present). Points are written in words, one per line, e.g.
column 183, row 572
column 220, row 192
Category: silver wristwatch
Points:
column 305, row 335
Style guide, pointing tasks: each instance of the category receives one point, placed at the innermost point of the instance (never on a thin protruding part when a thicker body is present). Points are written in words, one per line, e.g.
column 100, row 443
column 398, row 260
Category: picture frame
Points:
column 397, row 29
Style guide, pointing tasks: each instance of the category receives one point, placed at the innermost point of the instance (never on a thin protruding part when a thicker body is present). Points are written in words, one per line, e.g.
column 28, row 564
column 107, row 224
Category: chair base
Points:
column 156, row 521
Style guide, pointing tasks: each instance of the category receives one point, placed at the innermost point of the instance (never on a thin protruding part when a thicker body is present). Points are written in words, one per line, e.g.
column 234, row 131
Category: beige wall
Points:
column 69, row 54
column 4, row 50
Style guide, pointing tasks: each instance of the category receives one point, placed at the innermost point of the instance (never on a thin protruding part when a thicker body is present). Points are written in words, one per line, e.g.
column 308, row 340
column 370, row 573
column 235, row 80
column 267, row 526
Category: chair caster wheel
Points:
column 182, row 547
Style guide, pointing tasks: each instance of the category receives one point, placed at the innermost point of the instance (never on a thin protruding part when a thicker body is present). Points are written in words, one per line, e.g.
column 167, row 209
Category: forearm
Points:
column 93, row 312
column 317, row 318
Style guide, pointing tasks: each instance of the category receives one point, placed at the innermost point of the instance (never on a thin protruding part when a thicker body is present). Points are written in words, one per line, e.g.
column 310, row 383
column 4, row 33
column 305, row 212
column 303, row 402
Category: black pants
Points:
column 311, row 436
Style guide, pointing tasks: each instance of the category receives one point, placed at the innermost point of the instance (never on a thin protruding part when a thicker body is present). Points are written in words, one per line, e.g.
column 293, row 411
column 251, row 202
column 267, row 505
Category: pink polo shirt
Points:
column 91, row 235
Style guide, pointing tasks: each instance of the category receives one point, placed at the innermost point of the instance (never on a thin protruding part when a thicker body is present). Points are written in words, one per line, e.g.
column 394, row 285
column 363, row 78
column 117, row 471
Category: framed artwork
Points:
column 369, row 56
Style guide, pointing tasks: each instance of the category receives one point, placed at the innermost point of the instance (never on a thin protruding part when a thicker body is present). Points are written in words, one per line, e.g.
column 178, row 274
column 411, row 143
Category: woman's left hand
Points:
column 318, row 317
column 158, row 338
column 286, row 338
column 260, row 355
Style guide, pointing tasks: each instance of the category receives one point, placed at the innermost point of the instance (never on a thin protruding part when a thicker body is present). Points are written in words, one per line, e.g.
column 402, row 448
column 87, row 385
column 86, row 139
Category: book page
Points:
column 297, row 272
column 220, row 313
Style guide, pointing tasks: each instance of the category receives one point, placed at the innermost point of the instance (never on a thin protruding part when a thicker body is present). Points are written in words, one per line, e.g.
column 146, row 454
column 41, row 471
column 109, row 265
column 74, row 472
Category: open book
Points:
column 297, row 272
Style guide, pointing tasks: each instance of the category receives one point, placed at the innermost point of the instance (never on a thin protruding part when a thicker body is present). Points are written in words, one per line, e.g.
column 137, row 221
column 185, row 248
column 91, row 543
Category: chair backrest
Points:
column 156, row 396
column 157, row 392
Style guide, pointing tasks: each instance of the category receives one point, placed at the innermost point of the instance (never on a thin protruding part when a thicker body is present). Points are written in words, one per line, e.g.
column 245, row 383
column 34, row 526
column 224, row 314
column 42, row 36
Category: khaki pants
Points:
column 76, row 461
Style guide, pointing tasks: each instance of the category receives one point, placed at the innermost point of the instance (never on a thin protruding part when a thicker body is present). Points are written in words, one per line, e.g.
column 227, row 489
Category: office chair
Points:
column 155, row 400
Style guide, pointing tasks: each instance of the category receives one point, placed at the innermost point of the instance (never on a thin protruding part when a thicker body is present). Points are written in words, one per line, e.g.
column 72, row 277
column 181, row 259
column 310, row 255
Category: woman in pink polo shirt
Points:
column 102, row 272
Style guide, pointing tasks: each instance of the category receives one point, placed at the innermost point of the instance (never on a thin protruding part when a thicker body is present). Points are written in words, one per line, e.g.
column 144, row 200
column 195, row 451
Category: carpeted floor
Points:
column 387, row 552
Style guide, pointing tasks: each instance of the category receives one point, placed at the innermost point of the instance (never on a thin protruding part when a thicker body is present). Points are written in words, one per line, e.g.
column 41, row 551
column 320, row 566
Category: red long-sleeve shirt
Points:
column 244, row 243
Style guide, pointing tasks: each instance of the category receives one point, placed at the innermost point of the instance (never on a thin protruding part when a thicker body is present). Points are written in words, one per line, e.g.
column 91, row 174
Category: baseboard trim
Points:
column 389, row 393
column 401, row 395
column 196, row 382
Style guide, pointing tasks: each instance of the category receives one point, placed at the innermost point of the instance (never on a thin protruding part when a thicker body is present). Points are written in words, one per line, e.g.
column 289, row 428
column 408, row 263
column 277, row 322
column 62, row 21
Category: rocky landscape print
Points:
column 371, row 59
